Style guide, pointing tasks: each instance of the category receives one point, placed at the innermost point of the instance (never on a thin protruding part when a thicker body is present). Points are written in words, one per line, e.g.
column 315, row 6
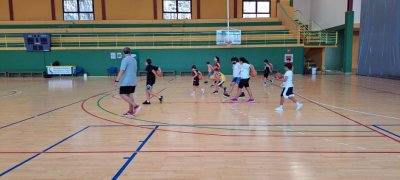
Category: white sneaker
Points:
column 202, row 91
column 279, row 109
column 299, row 106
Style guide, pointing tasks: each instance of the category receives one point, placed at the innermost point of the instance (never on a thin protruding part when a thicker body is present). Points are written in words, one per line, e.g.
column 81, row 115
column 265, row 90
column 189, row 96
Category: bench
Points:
column 4, row 74
column 24, row 73
column 144, row 73
column 261, row 72
column 204, row 72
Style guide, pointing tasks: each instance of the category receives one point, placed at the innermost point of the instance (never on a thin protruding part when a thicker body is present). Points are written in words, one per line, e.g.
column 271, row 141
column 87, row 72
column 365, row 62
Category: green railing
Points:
column 152, row 40
column 313, row 34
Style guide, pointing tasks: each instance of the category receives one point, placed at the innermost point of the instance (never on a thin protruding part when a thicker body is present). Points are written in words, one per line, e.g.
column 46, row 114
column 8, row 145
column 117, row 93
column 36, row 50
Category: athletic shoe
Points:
column 299, row 106
column 193, row 94
column 203, row 91
column 234, row 100
column 279, row 109
column 137, row 109
column 161, row 98
column 224, row 90
column 264, row 84
column 129, row 113
column 146, row 102
column 226, row 95
column 215, row 92
column 242, row 96
column 251, row 101
column 271, row 82
column 212, row 85
column 205, row 82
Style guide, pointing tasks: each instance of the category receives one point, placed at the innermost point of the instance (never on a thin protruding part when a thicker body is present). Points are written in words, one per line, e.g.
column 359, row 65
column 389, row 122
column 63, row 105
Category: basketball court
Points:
column 80, row 132
column 65, row 64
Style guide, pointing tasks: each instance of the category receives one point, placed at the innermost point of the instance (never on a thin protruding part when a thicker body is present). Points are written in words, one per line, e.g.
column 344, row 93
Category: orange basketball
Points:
column 159, row 73
column 278, row 75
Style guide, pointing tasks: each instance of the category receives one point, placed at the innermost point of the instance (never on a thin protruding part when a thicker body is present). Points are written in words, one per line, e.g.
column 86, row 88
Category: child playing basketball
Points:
column 210, row 72
column 267, row 71
column 219, row 79
column 151, row 80
column 244, row 80
column 287, row 91
column 196, row 80
column 217, row 67
column 236, row 77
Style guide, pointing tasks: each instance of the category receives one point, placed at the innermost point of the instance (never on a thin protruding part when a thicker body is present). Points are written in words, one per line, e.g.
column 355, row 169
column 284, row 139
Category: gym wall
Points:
column 379, row 53
column 40, row 10
column 95, row 62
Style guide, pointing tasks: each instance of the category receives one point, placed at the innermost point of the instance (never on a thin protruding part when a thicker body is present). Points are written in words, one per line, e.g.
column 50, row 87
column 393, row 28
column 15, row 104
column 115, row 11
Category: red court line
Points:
column 348, row 118
column 210, row 134
column 209, row 151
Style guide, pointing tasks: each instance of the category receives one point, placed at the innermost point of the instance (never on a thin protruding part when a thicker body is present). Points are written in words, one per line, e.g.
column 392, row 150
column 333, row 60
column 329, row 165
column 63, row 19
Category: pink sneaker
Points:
column 137, row 109
column 251, row 101
column 129, row 113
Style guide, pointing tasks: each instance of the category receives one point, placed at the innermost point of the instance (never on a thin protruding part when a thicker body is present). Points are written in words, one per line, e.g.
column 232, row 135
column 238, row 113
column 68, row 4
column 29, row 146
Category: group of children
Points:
column 242, row 71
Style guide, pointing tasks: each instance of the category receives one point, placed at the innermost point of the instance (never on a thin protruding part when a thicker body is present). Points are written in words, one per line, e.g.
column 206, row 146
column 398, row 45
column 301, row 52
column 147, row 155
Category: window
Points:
column 78, row 10
column 256, row 8
column 177, row 9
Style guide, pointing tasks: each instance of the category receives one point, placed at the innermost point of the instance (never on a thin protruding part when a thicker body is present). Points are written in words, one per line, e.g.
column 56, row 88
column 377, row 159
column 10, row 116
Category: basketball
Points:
column 159, row 73
column 278, row 75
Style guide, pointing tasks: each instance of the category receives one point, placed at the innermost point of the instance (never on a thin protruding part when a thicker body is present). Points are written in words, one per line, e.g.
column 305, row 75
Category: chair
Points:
column 79, row 70
column 112, row 70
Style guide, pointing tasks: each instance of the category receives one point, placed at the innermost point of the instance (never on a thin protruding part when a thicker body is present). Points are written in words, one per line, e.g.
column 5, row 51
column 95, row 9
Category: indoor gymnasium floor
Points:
column 66, row 128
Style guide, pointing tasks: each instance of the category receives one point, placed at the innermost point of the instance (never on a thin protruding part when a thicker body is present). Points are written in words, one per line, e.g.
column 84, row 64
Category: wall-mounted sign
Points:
column 119, row 55
column 113, row 55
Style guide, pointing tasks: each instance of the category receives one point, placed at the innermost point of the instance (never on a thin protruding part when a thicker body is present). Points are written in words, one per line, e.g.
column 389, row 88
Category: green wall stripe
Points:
column 95, row 62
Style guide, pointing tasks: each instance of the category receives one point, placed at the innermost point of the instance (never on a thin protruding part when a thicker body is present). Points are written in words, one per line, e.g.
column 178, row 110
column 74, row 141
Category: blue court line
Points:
column 387, row 131
column 250, row 125
column 41, row 114
column 38, row 154
column 134, row 154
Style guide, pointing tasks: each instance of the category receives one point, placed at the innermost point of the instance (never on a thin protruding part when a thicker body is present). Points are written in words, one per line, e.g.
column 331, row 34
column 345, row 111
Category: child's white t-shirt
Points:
column 245, row 71
column 289, row 81
column 236, row 70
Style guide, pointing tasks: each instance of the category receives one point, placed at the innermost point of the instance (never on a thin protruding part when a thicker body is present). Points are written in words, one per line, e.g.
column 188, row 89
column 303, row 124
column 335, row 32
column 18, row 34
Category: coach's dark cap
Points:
column 127, row 50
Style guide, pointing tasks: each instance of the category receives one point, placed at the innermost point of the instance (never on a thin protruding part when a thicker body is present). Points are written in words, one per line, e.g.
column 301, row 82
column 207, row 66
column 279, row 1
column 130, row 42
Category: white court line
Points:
column 362, row 148
column 351, row 110
column 16, row 93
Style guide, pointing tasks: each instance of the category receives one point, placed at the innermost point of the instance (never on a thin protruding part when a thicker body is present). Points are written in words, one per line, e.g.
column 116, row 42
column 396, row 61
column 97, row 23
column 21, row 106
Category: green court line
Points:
column 215, row 128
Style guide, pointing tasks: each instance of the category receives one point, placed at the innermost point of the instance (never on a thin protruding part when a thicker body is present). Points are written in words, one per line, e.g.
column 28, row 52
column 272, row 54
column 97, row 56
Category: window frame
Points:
column 177, row 10
column 256, row 12
column 78, row 11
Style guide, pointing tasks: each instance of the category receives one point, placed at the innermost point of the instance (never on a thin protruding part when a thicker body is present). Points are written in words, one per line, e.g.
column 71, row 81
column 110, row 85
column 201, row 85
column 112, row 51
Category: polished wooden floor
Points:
column 66, row 128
